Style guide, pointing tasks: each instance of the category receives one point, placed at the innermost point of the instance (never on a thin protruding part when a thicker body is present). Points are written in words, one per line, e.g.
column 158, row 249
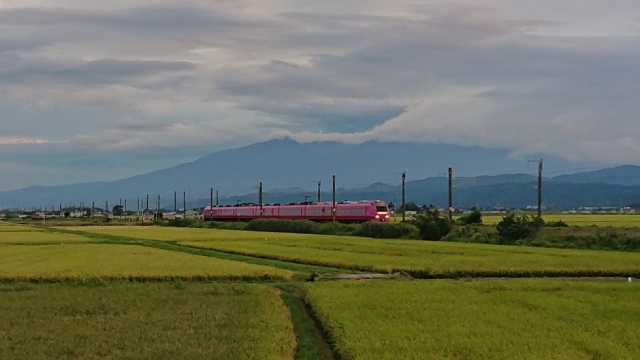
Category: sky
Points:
column 96, row 91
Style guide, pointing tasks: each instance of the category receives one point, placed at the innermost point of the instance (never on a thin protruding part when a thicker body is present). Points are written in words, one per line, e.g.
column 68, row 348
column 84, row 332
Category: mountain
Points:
column 290, row 170
column 628, row 175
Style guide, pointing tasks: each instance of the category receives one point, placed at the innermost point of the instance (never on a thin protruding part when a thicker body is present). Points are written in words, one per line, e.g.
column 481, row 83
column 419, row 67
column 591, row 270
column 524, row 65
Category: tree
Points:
column 513, row 227
column 431, row 225
column 410, row 206
column 117, row 210
column 475, row 218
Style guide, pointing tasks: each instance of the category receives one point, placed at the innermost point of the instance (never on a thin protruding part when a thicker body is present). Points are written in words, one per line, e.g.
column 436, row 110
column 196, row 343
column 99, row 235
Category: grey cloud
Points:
column 167, row 76
column 108, row 70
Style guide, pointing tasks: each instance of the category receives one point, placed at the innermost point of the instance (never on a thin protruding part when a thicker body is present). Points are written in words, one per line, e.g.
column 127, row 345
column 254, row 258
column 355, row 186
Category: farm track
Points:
column 313, row 342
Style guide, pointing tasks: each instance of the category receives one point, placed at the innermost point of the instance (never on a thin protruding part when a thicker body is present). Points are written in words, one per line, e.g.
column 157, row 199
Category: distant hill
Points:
column 290, row 170
column 628, row 175
column 433, row 191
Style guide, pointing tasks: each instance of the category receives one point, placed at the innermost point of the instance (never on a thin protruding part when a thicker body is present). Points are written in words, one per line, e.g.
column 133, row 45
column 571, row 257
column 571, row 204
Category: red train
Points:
column 346, row 211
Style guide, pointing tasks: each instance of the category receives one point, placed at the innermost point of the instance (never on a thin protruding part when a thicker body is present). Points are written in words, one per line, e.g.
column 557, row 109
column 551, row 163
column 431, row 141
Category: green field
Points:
column 144, row 321
column 427, row 259
column 508, row 319
column 106, row 261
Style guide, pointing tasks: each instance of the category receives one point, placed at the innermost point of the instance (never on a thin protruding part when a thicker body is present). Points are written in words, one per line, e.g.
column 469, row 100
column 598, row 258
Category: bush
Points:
column 513, row 227
column 475, row 218
column 558, row 223
column 432, row 226
column 281, row 225
column 181, row 222
column 387, row 230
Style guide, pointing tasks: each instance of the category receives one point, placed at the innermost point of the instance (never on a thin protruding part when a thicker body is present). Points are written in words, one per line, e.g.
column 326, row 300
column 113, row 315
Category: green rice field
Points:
column 144, row 321
column 508, row 319
column 180, row 234
column 106, row 261
column 426, row 259
column 185, row 293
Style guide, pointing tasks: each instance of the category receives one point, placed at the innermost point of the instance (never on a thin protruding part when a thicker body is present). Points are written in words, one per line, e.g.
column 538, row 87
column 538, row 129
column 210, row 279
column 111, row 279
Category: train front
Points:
column 382, row 211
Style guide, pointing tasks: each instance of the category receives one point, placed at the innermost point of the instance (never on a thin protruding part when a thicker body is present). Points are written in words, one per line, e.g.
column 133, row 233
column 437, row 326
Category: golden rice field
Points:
column 37, row 237
column 508, row 319
column 4, row 227
column 81, row 261
column 600, row 220
column 145, row 321
column 180, row 234
column 424, row 259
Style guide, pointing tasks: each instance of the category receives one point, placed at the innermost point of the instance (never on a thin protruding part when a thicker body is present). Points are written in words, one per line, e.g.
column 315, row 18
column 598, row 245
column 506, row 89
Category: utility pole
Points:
column 106, row 208
column 184, row 204
column 333, row 207
column 93, row 208
column 260, row 197
column 147, row 207
column 539, row 185
column 125, row 210
column 540, row 189
column 158, row 209
column 404, row 176
column 175, row 203
column 450, row 194
column 210, row 200
column 319, row 184
column 120, row 208
column 217, row 198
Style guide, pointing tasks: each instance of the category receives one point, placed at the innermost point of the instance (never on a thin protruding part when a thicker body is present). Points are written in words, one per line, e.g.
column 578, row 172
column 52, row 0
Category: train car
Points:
column 346, row 211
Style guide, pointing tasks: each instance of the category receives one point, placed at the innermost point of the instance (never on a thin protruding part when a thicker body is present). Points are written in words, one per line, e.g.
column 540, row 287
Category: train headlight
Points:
column 386, row 216
column 377, row 216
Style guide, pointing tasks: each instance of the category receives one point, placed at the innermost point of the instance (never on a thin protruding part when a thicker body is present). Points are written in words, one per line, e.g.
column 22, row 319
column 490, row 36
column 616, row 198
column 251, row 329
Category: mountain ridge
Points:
column 290, row 167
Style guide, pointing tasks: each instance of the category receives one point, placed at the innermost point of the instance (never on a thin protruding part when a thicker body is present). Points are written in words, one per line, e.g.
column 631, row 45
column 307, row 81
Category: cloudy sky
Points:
column 98, row 90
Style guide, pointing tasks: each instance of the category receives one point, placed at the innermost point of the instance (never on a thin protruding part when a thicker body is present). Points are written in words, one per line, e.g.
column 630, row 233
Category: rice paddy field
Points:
column 144, row 321
column 17, row 234
column 424, row 259
column 47, row 263
column 180, row 234
column 600, row 220
column 508, row 319
column 582, row 220
column 181, row 293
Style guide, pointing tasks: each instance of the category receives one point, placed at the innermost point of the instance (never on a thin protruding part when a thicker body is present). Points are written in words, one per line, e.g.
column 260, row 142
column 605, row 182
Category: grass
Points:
column 47, row 263
column 144, row 321
column 311, row 344
column 508, row 319
column 433, row 259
